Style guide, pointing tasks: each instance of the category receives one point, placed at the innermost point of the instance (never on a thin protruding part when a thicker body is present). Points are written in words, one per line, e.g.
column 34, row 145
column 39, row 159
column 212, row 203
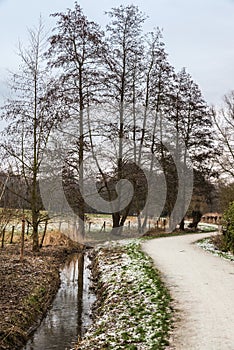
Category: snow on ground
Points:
column 209, row 246
column 134, row 306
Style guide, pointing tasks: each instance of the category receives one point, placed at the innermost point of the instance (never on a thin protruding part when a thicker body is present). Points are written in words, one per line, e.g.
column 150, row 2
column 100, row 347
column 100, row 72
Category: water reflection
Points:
column 70, row 313
column 80, row 294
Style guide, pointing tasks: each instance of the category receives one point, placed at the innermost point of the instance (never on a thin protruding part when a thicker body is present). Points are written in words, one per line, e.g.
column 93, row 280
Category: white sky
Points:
column 198, row 34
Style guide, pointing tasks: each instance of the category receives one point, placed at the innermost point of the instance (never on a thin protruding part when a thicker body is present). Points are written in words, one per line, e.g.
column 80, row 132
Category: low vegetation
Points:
column 228, row 233
column 158, row 233
column 133, row 307
column 216, row 246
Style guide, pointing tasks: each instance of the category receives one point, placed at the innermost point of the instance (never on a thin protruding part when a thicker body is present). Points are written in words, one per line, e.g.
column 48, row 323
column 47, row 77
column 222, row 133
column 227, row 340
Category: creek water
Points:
column 69, row 315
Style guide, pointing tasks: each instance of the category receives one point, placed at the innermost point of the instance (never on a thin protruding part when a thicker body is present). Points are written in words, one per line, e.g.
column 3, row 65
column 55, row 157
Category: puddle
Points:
column 69, row 315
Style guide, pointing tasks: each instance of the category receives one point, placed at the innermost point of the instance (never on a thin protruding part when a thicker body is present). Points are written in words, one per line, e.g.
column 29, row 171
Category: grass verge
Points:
column 215, row 246
column 133, row 307
column 158, row 233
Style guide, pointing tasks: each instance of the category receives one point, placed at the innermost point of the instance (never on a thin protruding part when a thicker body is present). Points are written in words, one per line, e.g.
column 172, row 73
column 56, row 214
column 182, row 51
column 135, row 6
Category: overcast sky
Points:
column 199, row 35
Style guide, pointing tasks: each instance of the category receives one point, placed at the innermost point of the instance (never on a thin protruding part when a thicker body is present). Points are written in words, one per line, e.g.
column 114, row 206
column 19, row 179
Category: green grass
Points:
column 100, row 216
column 133, row 308
column 210, row 245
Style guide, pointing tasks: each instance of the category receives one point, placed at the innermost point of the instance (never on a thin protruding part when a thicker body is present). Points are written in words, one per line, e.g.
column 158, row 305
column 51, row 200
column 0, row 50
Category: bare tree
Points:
column 223, row 119
column 31, row 115
column 156, row 98
column 139, row 93
column 76, row 47
column 124, row 43
column 191, row 118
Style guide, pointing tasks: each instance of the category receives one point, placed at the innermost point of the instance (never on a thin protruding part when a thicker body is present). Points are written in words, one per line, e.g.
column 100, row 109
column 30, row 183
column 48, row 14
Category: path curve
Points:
column 202, row 286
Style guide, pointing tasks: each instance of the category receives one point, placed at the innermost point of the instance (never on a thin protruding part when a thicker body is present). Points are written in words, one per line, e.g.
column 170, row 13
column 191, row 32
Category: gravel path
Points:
column 202, row 286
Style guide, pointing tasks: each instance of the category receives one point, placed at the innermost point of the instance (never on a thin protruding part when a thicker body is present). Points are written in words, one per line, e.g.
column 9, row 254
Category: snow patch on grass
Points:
column 209, row 246
column 135, row 311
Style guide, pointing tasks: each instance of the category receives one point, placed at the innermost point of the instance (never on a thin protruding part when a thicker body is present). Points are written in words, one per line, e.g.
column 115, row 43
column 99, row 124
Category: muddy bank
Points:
column 27, row 289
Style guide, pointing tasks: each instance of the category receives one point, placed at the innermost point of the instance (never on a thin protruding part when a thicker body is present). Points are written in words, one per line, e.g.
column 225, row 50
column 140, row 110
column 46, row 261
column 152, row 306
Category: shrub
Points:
column 228, row 231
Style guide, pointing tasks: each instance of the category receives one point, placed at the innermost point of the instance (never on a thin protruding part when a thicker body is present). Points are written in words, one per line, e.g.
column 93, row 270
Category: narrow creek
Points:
column 69, row 315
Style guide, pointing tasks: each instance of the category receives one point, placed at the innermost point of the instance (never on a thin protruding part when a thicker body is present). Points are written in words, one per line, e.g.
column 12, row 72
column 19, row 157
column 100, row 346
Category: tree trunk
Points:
column 35, row 235
column 3, row 237
column 139, row 224
column 12, row 234
column 182, row 225
column 115, row 220
column 81, row 155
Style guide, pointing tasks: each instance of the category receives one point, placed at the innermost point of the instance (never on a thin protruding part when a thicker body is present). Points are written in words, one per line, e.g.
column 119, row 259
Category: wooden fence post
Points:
column 28, row 224
column 44, row 233
column 22, row 239
column 12, row 234
column 164, row 224
column 3, row 236
column 60, row 224
column 103, row 227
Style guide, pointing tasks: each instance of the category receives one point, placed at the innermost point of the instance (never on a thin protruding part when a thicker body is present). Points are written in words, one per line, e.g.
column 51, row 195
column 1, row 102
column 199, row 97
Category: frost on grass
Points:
column 209, row 246
column 133, row 311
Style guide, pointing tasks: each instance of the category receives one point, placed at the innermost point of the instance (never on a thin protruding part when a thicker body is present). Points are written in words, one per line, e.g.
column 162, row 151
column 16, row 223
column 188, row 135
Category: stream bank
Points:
column 27, row 289
column 69, row 315
column 133, row 308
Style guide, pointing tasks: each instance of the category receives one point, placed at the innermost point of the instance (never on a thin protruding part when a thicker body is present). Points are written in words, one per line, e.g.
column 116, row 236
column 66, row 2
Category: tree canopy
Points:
column 114, row 102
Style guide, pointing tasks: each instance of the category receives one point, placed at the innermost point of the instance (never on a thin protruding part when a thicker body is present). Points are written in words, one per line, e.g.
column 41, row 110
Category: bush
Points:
column 228, row 231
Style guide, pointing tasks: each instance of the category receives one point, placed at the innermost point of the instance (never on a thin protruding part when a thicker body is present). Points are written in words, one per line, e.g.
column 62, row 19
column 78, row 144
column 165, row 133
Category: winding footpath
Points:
column 202, row 286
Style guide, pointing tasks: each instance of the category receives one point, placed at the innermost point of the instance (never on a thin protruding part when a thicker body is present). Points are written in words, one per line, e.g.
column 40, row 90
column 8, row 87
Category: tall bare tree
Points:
column 156, row 98
column 75, row 49
column 223, row 119
column 124, row 42
column 31, row 115
column 191, row 118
